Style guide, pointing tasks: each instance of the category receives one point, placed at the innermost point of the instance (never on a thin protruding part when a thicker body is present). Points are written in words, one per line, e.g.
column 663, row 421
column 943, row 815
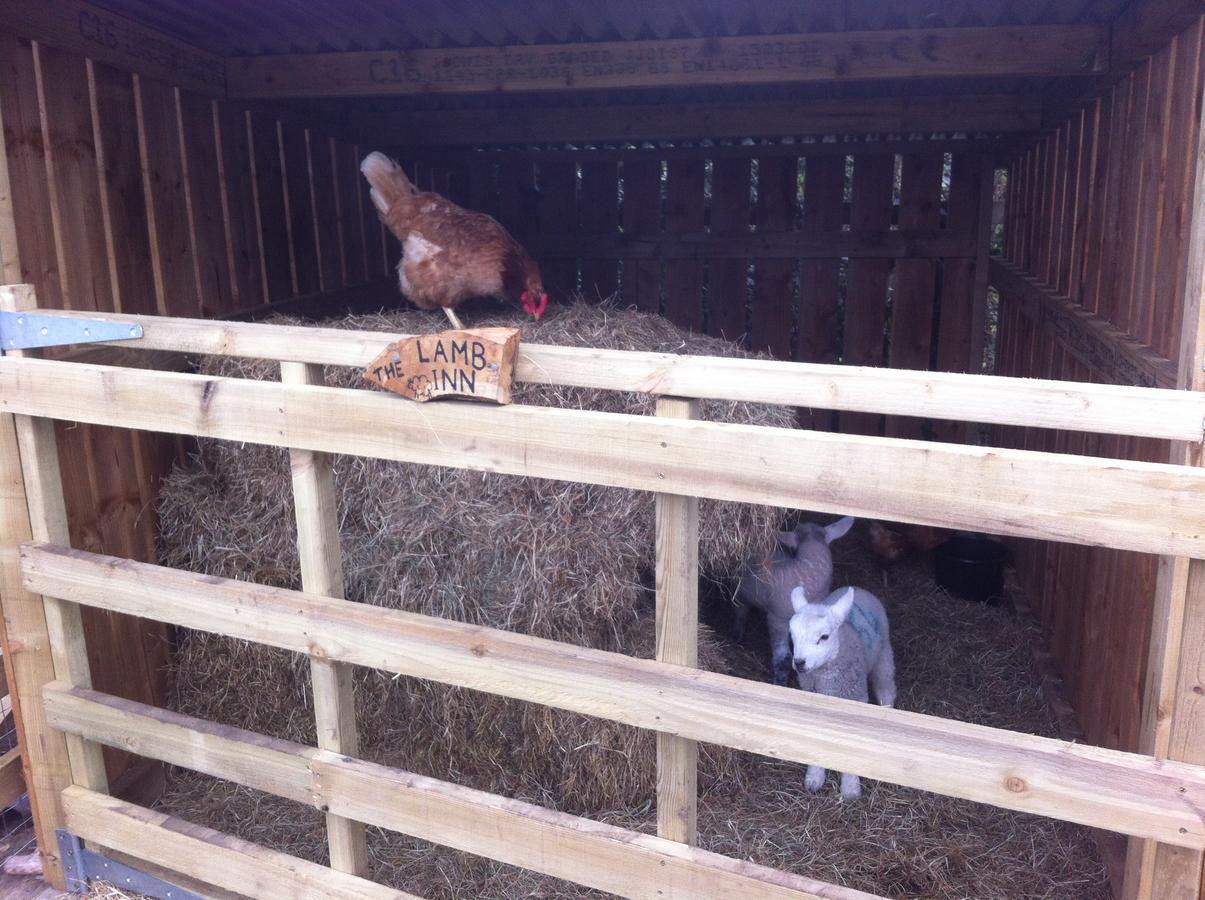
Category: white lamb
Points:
column 840, row 645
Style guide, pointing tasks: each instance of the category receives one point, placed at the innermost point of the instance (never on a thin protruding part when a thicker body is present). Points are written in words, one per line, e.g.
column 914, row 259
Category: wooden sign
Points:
column 478, row 363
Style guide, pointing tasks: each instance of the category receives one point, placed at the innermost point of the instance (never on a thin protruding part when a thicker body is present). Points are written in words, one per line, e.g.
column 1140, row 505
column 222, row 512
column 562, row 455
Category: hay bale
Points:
column 565, row 561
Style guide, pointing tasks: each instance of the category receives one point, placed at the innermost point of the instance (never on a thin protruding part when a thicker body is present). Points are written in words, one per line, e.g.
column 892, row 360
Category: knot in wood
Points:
column 1015, row 785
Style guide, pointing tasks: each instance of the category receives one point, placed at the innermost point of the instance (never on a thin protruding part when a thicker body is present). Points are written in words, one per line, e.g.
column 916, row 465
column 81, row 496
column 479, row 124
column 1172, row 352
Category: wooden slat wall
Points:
column 865, row 227
column 132, row 195
column 1097, row 214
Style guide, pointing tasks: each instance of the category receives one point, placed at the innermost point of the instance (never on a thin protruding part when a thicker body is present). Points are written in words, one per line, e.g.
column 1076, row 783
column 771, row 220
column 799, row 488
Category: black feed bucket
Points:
column 972, row 566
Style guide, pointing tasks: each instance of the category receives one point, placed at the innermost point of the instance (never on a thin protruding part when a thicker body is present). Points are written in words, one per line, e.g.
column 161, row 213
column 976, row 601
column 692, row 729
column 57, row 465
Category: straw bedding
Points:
column 558, row 560
column 571, row 562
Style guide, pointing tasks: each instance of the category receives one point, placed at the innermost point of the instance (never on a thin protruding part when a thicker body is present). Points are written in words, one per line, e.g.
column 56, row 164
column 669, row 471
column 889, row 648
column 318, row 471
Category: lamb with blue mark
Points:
column 842, row 646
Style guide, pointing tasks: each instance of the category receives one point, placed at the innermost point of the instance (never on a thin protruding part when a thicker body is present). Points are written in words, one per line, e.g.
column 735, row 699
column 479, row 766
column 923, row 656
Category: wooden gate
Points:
column 1114, row 503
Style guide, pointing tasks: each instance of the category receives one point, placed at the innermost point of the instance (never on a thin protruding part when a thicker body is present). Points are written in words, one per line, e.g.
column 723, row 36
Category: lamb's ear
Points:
column 845, row 603
column 838, row 529
column 789, row 541
column 799, row 599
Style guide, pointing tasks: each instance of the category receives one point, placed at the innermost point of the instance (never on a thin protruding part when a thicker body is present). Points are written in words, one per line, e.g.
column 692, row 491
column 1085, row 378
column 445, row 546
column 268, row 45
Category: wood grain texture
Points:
column 612, row 859
column 1124, row 792
column 209, row 856
column 318, row 550
column 916, row 53
column 1139, row 506
column 1071, row 405
column 677, row 583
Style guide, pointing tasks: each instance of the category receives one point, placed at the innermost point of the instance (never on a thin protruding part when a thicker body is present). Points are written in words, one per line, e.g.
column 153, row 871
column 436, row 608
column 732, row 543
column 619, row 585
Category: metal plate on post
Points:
column 81, row 866
column 24, row 331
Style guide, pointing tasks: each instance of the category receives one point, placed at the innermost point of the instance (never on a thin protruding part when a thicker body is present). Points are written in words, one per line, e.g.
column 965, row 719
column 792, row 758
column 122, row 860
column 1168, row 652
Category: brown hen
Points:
column 449, row 253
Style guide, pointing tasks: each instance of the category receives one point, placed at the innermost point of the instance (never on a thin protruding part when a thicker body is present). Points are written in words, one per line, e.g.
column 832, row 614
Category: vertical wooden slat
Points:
column 270, row 214
column 123, row 205
column 199, row 153
column 823, row 213
column 322, row 573
column 28, row 664
column 683, row 215
column 599, row 216
column 1183, row 121
column 71, row 174
column 376, row 262
column 237, row 188
column 1155, row 188
column 324, row 211
column 339, row 251
column 773, row 302
column 915, row 279
column 727, row 289
column 299, row 208
column 166, row 205
column 642, row 218
column 1094, row 247
column 1084, row 198
column 351, row 209
column 1173, row 723
column 1068, row 205
column 557, row 213
column 963, row 300
column 48, row 522
column 677, row 550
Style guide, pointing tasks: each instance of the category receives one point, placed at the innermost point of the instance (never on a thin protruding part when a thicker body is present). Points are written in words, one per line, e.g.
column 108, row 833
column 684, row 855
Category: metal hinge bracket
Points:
column 81, row 866
column 23, row 331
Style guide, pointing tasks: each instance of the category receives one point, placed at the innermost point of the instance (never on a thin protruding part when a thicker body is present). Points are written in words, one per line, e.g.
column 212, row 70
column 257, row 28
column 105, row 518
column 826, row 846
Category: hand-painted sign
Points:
column 477, row 363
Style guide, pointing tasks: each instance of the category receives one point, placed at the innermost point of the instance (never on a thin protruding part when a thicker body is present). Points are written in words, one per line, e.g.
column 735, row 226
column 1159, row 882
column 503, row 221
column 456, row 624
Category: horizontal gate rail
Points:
column 1150, row 507
column 210, row 856
column 1108, row 789
column 1037, row 403
column 592, row 853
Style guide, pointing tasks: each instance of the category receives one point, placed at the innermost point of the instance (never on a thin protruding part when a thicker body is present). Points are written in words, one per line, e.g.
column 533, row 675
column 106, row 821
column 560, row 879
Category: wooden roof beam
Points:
column 990, row 113
column 1038, row 50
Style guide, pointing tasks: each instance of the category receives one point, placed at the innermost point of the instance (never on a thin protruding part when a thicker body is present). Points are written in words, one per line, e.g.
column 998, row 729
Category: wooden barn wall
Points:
column 818, row 252
column 1092, row 289
column 132, row 195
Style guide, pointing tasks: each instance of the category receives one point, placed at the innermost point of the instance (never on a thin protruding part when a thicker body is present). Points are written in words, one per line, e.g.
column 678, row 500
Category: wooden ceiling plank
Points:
column 636, row 122
column 107, row 37
column 1067, row 50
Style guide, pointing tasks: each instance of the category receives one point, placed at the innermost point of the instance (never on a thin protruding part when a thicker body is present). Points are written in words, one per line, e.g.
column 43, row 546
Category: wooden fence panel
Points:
column 198, row 141
column 557, row 214
column 73, row 180
column 351, row 212
column 915, row 279
column 166, row 200
column 598, row 214
column 683, row 214
column 327, row 223
column 271, row 213
column 867, row 279
column 642, row 218
column 299, row 209
column 727, row 279
column 123, row 204
column 774, row 307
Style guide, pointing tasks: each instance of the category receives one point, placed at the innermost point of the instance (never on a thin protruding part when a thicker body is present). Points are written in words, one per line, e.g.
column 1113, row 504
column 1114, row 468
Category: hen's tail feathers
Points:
column 389, row 183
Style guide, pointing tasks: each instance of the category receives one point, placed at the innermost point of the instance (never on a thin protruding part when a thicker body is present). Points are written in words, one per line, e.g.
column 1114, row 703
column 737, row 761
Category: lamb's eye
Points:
column 824, row 637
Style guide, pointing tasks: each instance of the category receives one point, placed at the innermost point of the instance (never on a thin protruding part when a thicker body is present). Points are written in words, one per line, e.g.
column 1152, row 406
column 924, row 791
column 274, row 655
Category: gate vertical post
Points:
column 677, row 582
column 322, row 573
column 39, row 453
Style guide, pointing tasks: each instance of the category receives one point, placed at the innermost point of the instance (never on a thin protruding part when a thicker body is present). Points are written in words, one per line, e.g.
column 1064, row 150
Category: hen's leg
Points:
column 453, row 318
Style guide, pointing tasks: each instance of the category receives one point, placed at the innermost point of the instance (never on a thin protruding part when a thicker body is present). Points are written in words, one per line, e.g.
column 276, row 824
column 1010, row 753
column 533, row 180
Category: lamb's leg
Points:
column 851, row 786
column 814, row 779
column 882, row 677
column 780, row 650
column 740, row 617
column 453, row 318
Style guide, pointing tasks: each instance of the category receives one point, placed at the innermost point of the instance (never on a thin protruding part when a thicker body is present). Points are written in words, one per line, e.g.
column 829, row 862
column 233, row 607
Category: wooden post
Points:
column 677, row 538
column 322, row 573
column 47, row 511
column 1173, row 724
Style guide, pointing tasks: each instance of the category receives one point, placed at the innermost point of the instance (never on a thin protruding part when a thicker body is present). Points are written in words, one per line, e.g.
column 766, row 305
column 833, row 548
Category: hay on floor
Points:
column 558, row 560
column 960, row 660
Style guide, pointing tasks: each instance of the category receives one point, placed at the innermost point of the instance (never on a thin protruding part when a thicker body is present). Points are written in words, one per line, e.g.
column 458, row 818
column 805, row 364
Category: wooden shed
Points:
column 989, row 187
